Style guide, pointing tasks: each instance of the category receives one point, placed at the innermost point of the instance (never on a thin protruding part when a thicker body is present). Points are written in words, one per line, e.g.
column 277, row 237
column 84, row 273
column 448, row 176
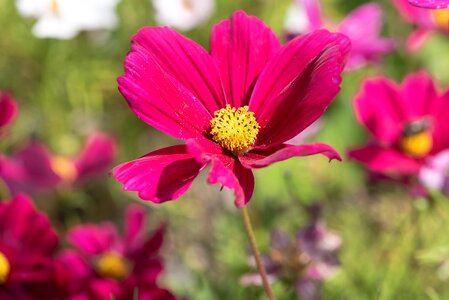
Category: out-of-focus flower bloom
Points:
column 105, row 264
column 435, row 174
column 234, row 107
column 8, row 110
column 362, row 26
column 35, row 168
column 426, row 21
column 183, row 14
column 64, row 19
column 308, row 260
column 436, row 4
column 408, row 124
column 28, row 269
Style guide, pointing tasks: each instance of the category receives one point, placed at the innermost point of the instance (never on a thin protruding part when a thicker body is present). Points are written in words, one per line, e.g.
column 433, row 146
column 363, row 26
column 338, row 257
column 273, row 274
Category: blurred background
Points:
column 393, row 247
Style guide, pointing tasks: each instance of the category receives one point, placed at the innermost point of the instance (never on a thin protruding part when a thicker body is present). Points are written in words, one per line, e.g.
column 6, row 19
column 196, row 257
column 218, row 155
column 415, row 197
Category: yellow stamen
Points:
column 5, row 268
column 112, row 265
column 441, row 18
column 418, row 144
column 64, row 168
column 234, row 129
column 54, row 7
column 187, row 4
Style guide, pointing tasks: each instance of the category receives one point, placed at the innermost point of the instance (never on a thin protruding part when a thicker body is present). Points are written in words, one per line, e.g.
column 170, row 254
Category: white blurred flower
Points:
column 64, row 19
column 183, row 14
column 436, row 171
column 296, row 20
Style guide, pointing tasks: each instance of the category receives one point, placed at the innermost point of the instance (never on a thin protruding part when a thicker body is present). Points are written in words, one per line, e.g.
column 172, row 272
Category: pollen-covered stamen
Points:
column 416, row 139
column 5, row 268
column 54, row 6
column 64, row 168
column 234, row 129
column 441, row 18
column 112, row 265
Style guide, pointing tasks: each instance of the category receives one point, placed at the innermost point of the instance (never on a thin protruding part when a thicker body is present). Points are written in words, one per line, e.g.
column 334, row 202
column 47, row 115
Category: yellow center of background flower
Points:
column 64, row 168
column 112, row 265
column 54, row 7
column 234, row 129
column 5, row 268
column 441, row 18
column 418, row 144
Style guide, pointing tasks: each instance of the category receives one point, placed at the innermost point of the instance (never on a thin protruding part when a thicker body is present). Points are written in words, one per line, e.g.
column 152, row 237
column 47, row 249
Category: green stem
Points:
column 260, row 266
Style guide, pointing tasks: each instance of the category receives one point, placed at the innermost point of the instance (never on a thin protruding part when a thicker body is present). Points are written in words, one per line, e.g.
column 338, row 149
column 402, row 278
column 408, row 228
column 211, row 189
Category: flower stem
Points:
column 253, row 243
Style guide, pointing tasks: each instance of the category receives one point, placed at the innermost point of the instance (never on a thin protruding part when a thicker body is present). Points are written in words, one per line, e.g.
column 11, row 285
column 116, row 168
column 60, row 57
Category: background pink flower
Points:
column 268, row 94
column 35, row 168
column 408, row 124
column 28, row 243
column 104, row 263
column 363, row 27
column 8, row 109
column 426, row 21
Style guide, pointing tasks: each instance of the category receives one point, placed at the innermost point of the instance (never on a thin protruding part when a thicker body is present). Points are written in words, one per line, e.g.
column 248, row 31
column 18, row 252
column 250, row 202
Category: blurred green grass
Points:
column 67, row 88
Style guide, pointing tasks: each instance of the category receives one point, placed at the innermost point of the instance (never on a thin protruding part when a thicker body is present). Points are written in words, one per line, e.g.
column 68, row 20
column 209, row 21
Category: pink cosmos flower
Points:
column 35, row 168
column 408, row 124
column 105, row 264
column 28, row 243
column 8, row 109
column 436, row 4
column 363, row 27
column 427, row 21
column 234, row 107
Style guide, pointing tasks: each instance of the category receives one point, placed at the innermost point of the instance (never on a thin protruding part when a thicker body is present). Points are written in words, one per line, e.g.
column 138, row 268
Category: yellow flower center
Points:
column 187, row 4
column 112, row 265
column 234, row 129
column 441, row 18
column 5, row 268
column 64, row 168
column 417, row 144
column 54, row 7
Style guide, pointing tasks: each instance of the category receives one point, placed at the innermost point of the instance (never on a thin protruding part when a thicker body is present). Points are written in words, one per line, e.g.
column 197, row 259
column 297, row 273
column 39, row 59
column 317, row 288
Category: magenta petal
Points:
column 159, row 176
column 297, row 85
column 231, row 174
column 96, row 157
column 8, row 109
column 93, row 239
column 419, row 94
column 184, row 60
column 313, row 11
column 134, row 223
column 417, row 39
column 382, row 160
column 440, row 107
column 242, row 46
column 266, row 157
column 435, row 4
column 159, row 99
column 378, row 107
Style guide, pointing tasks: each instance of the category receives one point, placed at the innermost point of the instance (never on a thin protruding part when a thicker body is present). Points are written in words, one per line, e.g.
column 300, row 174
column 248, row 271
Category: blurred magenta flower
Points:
column 308, row 260
column 28, row 243
column 408, row 125
column 363, row 27
column 64, row 19
column 183, row 14
column 35, row 168
column 426, row 21
column 8, row 110
column 437, row 4
column 234, row 107
column 104, row 264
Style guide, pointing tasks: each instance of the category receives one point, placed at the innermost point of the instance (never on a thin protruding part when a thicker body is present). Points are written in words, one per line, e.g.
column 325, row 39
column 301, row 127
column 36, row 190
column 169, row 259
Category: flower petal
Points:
column 228, row 172
column 8, row 109
column 440, row 107
column 185, row 61
column 435, row 4
column 265, row 157
column 242, row 46
column 159, row 99
column 94, row 239
column 159, row 176
column 378, row 159
column 96, row 157
column 297, row 85
column 419, row 95
column 134, row 223
column 378, row 107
